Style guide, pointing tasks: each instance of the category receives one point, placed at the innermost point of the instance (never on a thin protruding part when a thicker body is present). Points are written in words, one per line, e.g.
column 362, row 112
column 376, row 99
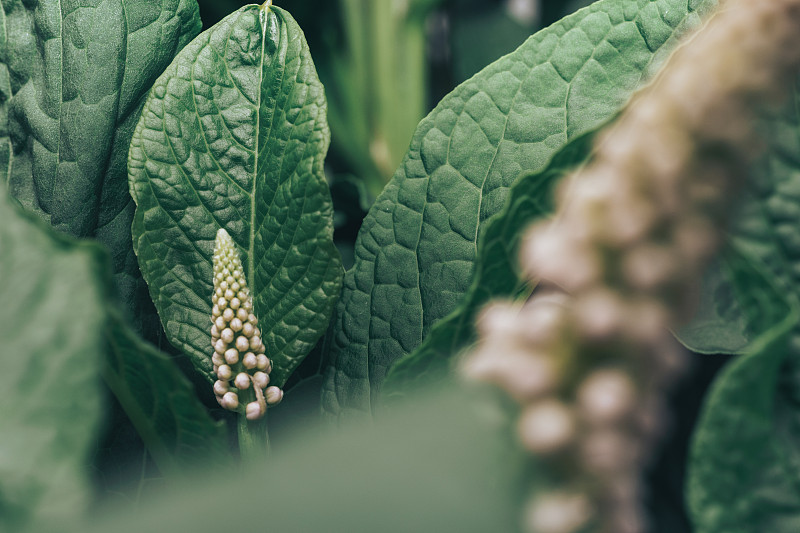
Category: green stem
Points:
column 253, row 439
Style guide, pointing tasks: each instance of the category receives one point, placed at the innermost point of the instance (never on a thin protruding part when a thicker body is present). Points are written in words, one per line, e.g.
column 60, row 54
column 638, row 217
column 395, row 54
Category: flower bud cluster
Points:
column 239, row 358
column 589, row 357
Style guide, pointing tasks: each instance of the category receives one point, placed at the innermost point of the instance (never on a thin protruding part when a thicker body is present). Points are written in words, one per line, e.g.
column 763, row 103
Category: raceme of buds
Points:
column 235, row 338
column 632, row 236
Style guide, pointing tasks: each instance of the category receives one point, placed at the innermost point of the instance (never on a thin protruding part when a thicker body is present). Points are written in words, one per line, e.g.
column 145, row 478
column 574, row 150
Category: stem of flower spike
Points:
column 253, row 439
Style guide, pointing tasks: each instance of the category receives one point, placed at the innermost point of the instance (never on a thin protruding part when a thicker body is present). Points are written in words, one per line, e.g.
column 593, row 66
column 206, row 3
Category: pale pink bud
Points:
column 606, row 396
column 231, row 356
column 253, row 411
column 242, row 380
column 274, row 395
column 261, row 379
column 249, row 360
column 546, row 426
column 230, row 400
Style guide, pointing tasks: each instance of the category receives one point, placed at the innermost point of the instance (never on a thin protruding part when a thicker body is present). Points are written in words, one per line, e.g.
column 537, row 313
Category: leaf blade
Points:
column 416, row 248
column 234, row 135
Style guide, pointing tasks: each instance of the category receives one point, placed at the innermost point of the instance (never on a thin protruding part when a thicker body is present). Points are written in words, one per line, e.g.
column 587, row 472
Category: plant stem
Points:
column 253, row 439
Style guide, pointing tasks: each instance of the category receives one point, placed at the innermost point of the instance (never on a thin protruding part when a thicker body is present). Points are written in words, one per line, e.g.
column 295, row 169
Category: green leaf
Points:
column 433, row 466
column 416, row 249
column 496, row 274
column 73, row 76
column 174, row 425
column 51, row 325
column 234, row 135
column 732, row 286
column 745, row 455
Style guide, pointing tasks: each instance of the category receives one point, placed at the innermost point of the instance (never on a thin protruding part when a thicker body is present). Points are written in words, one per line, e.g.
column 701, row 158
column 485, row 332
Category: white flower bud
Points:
column 214, row 331
column 274, row 395
column 230, row 400
column 264, row 363
column 249, row 360
column 241, row 314
column 229, row 295
column 599, row 313
column 247, row 329
column 235, row 287
column 215, row 311
column 252, row 319
column 606, row 396
column 242, row 380
column 558, row 513
column 253, row 411
column 226, row 335
column 220, row 323
column 546, row 426
column 231, row 356
column 261, row 379
column 224, row 373
column 236, row 303
column 236, row 324
column 227, row 314
column 219, row 346
column 220, row 387
column 217, row 359
column 222, row 303
column 255, row 343
column 242, row 344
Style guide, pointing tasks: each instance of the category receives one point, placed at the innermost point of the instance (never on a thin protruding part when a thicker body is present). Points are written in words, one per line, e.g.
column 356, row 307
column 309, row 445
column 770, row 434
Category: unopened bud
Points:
column 274, row 395
column 242, row 380
column 230, row 400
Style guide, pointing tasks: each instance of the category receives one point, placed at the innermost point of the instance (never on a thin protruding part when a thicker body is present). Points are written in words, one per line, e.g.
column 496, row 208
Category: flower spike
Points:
column 238, row 351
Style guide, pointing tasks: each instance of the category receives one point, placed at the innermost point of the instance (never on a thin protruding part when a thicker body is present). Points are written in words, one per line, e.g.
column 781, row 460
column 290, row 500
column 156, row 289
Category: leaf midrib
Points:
column 251, row 264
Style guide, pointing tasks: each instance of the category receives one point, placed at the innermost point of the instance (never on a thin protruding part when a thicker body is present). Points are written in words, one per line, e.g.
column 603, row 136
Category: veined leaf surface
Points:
column 497, row 274
column 416, row 249
column 74, row 76
column 233, row 136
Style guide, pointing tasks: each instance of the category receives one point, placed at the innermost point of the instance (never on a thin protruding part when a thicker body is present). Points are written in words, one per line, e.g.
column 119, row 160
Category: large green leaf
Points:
column 746, row 449
column 51, row 324
column 174, row 425
column 437, row 465
column 416, row 249
column 496, row 275
column 234, row 135
column 73, row 76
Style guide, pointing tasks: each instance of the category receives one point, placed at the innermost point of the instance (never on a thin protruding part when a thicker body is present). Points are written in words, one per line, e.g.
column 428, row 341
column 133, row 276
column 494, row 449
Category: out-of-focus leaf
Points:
column 174, row 425
column 234, row 135
column 435, row 465
column 744, row 459
column 52, row 320
column 496, row 275
column 416, row 250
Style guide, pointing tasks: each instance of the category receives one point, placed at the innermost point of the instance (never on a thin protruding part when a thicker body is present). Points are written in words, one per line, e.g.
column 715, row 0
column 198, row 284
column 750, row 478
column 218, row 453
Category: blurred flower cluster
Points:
column 589, row 357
